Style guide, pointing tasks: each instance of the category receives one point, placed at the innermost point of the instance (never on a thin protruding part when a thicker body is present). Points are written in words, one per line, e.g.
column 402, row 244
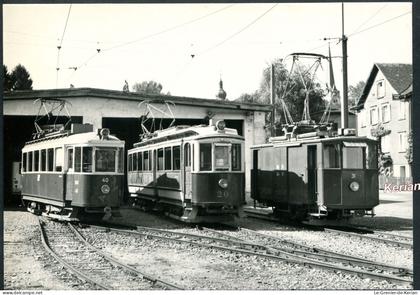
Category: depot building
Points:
column 120, row 112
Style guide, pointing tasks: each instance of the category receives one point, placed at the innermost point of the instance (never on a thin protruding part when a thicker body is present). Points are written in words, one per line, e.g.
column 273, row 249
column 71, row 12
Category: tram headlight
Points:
column 221, row 125
column 223, row 183
column 105, row 189
column 354, row 186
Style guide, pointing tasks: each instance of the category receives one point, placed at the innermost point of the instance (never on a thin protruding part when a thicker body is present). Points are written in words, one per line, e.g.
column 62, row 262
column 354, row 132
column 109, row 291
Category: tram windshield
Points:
column 105, row 159
column 226, row 157
column 350, row 155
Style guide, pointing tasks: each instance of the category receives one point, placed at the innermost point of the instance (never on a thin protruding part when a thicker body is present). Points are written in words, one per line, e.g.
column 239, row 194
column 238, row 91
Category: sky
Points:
column 189, row 47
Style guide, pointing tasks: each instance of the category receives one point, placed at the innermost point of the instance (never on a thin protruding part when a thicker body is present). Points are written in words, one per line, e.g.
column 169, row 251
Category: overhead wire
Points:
column 370, row 18
column 61, row 43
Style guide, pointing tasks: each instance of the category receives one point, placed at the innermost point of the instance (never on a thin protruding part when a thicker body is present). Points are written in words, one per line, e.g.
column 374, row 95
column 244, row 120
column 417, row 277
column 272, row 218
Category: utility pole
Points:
column 273, row 100
column 344, row 103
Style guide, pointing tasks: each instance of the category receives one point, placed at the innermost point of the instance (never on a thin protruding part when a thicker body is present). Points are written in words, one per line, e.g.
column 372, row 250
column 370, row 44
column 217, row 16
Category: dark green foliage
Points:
column 18, row 79
column 355, row 92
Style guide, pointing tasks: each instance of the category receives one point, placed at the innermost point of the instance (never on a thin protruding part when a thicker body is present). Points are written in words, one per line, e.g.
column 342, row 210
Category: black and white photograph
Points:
column 208, row 146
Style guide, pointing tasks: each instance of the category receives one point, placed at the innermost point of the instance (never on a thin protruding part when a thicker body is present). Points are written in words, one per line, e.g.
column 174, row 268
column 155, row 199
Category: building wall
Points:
column 399, row 125
column 94, row 109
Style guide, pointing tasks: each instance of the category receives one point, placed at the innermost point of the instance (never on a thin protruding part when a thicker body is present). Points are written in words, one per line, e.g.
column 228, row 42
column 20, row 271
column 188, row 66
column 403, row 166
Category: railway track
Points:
column 67, row 245
column 349, row 265
column 389, row 241
column 362, row 233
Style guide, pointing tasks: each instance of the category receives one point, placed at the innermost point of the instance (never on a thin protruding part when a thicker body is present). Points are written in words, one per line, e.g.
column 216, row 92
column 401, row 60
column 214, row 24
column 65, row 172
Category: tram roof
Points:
column 190, row 132
column 132, row 96
column 298, row 142
column 70, row 138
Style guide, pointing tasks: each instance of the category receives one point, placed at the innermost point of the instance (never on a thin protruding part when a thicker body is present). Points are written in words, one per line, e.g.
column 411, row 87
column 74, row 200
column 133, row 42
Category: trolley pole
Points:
column 344, row 103
column 273, row 100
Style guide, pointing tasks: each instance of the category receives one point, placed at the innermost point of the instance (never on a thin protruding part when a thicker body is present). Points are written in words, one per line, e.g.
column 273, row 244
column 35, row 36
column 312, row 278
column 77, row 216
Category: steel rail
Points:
column 387, row 241
column 287, row 257
column 78, row 273
column 345, row 260
column 123, row 265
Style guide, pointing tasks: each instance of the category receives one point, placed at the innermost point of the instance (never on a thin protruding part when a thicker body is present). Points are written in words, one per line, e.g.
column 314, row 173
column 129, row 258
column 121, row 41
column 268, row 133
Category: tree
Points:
column 245, row 97
column 148, row 87
column 355, row 92
column 384, row 159
column 21, row 78
column 7, row 79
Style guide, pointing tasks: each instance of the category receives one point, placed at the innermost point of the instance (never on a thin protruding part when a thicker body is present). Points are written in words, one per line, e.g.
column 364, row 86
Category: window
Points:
column 43, row 160
column 362, row 117
column 176, row 162
column 70, row 156
column 146, row 166
column 332, row 156
column 168, row 158
column 30, row 161
column 401, row 110
column 24, row 162
column 371, row 156
column 386, row 143
column 380, row 88
column 134, row 161
column 105, row 159
column 403, row 141
column 130, row 162
column 221, row 157
column 59, row 159
column 205, row 157
column 187, row 155
column 120, row 168
column 236, row 157
column 78, row 159
column 87, row 159
column 139, row 161
column 374, row 116
column 36, row 160
column 160, row 159
column 353, row 157
column 386, row 113
column 50, row 159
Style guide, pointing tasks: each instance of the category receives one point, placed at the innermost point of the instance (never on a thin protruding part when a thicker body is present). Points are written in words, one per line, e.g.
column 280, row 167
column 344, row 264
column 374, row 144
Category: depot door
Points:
column 312, row 173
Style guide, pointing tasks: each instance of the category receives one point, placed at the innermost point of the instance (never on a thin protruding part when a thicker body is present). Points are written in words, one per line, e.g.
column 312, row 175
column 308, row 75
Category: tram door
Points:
column 187, row 172
column 312, row 173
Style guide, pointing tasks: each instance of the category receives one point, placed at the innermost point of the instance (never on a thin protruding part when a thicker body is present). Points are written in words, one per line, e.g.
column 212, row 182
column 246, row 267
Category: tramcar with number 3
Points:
column 73, row 174
column 314, row 175
column 194, row 174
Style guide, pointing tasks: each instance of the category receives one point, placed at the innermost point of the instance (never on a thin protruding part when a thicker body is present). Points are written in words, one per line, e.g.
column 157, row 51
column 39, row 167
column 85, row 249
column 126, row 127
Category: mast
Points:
column 344, row 103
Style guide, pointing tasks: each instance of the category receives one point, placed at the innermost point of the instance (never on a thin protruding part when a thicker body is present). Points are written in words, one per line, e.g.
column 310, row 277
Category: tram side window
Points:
column 205, row 156
column 139, row 161
column 332, row 156
column 36, row 160
column 130, row 162
column 176, row 163
column 105, row 159
column 371, row 157
column 236, row 157
column 78, row 159
column 134, row 162
column 43, row 160
column 120, row 160
column 353, row 157
column 70, row 155
column 59, row 159
column 24, row 161
column 160, row 159
column 187, row 155
column 30, row 162
column 50, row 157
column 168, row 158
column 87, row 159
column 146, row 161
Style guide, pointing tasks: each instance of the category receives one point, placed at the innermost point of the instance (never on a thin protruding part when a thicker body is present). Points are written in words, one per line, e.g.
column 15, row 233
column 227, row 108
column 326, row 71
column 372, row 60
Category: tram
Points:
column 316, row 175
column 192, row 173
column 71, row 174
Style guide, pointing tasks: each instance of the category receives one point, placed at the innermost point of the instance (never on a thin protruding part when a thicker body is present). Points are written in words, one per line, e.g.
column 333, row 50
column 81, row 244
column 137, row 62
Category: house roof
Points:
column 408, row 93
column 132, row 96
column 400, row 76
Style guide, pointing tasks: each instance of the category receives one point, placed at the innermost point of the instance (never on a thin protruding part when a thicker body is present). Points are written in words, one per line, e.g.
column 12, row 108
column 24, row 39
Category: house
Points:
column 385, row 104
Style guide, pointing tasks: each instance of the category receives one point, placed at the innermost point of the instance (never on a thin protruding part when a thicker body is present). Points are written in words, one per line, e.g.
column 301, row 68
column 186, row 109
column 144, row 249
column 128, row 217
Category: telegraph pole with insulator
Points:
column 272, row 99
